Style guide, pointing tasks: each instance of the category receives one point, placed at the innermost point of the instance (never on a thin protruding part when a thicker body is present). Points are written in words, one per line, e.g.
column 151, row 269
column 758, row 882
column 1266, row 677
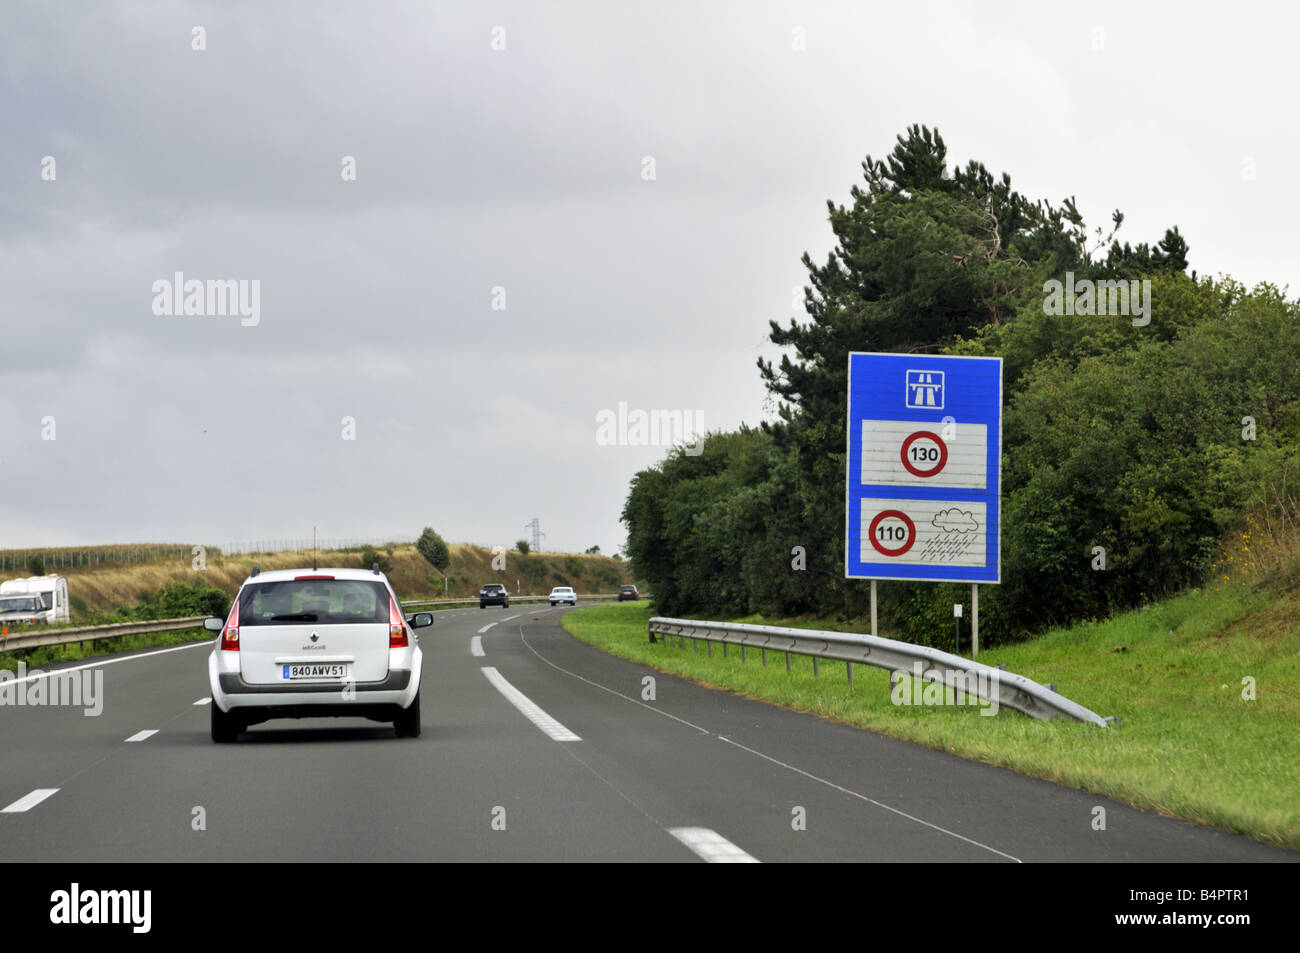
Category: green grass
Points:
column 1189, row 745
column 78, row 651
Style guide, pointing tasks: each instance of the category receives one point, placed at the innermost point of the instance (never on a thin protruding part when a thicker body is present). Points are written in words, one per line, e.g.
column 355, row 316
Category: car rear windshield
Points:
column 493, row 587
column 315, row 601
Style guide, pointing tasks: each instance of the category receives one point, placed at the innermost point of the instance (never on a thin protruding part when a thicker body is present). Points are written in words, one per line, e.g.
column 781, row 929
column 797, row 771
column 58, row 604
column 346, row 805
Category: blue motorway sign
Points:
column 924, row 467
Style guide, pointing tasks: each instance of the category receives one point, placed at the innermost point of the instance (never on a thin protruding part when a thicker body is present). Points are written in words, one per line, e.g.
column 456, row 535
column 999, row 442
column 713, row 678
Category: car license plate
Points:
column 315, row 670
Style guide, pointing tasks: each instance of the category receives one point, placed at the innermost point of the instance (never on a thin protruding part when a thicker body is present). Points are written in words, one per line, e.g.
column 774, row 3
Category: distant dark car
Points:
column 494, row 594
column 628, row 594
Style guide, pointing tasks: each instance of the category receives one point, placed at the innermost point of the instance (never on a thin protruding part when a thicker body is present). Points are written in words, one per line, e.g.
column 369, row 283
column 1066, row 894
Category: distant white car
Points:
column 311, row 643
column 563, row 594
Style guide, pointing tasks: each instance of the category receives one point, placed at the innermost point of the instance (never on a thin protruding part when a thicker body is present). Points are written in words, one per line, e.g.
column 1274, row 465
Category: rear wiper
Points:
column 295, row 617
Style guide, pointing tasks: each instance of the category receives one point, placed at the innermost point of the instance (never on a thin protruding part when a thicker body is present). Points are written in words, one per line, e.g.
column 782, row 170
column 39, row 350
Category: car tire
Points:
column 226, row 726
column 407, row 723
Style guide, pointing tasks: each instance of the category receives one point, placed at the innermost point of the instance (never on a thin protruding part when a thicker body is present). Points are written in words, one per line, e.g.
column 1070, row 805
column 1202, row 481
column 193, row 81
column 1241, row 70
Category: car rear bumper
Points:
column 396, row 691
column 232, row 683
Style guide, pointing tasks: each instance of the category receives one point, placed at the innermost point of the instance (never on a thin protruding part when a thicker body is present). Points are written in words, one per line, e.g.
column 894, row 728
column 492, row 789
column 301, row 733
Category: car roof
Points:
column 284, row 575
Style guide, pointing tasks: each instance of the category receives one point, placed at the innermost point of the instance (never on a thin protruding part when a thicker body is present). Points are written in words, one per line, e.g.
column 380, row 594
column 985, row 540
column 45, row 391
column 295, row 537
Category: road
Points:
column 596, row 774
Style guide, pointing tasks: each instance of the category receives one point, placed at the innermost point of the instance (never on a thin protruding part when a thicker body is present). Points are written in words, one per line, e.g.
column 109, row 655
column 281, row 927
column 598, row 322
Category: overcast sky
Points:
column 523, row 169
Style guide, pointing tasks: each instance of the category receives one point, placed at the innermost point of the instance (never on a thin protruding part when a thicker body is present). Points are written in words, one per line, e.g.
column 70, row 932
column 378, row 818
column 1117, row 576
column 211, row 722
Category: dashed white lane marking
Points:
column 509, row 617
column 476, row 646
column 202, row 701
column 143, row 735
column 28, row 801
column 486, row 627
column 711, row 846
column 555, row 730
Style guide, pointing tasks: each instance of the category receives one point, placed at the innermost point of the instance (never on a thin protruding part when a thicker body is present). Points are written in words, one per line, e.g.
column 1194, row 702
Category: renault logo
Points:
column 314, row 636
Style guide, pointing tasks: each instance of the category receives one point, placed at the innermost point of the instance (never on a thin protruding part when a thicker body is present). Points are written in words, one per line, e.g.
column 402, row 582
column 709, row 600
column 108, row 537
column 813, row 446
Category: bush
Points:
column 370, row 556
column 434, row 548
column 178, row 600
column 522, row 546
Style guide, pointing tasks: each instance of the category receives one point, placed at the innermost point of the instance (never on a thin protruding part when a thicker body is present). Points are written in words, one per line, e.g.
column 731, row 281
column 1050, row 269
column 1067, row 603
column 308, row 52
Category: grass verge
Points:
column 1190, row 746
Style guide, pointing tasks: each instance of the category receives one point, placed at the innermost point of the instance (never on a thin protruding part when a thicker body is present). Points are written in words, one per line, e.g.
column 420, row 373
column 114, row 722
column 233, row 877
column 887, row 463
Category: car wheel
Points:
column 407, row 723
column 225, row 726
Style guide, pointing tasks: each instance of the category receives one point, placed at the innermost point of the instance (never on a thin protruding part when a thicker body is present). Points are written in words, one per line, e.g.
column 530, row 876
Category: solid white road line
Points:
column 143, row 735
column 27, row 802
column 111, row 661
column 553, row 728
column 711, row 846
column 790, row 767
column 476, row 646
column 863, row 797
column 202, row 701
column 509, row 617
column 486, row 627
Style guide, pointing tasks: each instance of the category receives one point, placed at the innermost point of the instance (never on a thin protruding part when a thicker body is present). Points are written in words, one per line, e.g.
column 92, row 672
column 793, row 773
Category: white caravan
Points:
column 34, row 599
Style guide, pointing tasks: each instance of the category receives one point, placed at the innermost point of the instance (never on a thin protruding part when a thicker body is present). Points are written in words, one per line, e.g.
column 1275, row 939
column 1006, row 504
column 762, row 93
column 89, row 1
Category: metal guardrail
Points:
column 34, row 638
column 974, row 678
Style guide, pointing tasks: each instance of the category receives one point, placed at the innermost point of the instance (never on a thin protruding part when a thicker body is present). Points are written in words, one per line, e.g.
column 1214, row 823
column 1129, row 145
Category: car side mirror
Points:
column 420, row 620
column 213, row 624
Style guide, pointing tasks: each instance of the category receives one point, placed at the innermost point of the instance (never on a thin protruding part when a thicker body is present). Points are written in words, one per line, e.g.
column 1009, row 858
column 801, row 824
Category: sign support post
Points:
column 975, row 619
column 874, row 630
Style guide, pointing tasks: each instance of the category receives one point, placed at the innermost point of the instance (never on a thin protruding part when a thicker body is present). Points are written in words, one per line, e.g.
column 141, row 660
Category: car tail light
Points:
column 311, row 578
column 396, row 626
column 230, row 634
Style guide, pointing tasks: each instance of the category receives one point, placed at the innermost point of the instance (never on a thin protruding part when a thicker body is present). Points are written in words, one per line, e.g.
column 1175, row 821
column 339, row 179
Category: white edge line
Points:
column 28, row 801
column 711, row 846
column 863, row 797
column 702, row 730
column 476, row 646
column 529, row 708
column 111, row 661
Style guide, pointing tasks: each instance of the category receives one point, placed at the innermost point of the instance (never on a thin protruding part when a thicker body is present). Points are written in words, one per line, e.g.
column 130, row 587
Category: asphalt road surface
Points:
column 539, row 749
